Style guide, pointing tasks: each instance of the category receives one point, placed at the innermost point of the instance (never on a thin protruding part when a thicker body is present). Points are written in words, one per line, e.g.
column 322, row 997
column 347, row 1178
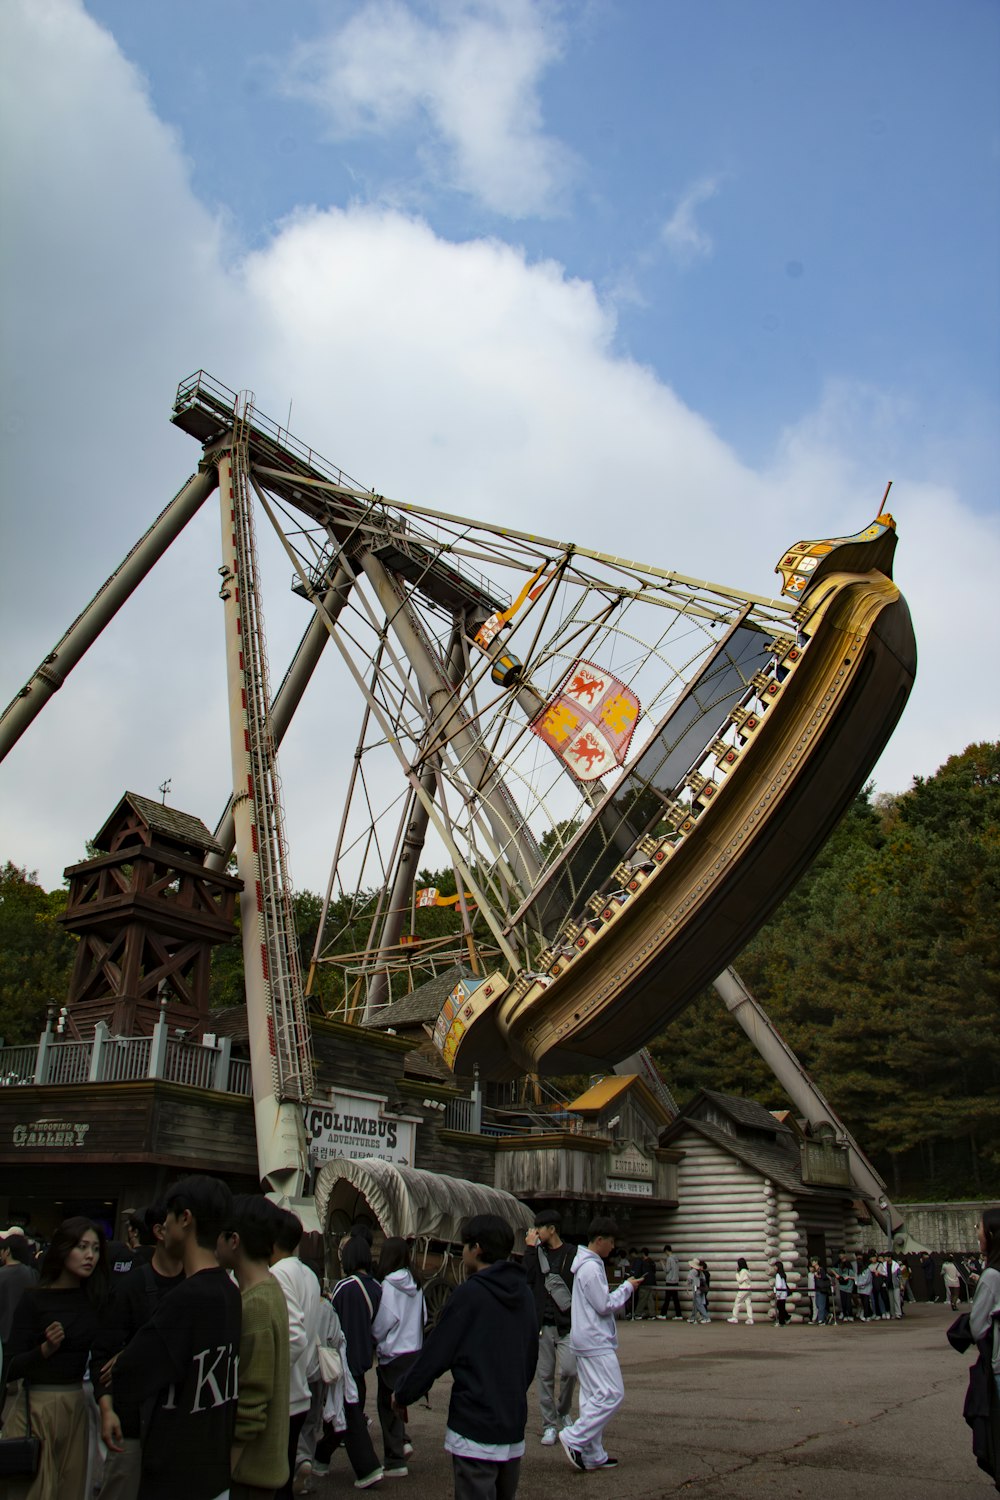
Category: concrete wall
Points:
column 939, row 1226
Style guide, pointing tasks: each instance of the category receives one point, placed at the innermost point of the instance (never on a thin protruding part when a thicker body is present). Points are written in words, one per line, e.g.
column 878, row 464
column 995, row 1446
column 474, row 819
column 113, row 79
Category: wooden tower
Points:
column 147, row 913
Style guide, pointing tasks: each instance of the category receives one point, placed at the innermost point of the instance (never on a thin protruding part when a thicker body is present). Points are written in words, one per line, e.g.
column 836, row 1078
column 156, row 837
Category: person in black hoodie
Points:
column 487, row 1336
column 182, row 1364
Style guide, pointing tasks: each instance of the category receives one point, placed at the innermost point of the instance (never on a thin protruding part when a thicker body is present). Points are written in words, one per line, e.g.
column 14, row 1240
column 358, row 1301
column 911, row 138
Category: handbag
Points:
column 20, row 1456
column 331, row 1366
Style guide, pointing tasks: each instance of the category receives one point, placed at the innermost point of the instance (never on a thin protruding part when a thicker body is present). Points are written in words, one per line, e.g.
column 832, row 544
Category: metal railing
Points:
column 239, row 1076
column 68, row 1062
column 461, row 1114
column 17, row 1065
column 126, row 1059
column 190, row 1063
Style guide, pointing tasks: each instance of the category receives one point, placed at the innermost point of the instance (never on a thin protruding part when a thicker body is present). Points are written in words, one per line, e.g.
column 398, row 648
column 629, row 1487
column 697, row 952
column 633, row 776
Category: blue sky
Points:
column 736, row 263
column 842, row 161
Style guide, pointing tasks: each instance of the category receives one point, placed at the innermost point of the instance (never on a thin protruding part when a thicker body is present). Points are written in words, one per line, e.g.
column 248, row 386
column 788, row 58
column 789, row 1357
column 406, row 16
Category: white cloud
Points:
column 457, row 375
column 466, row 82
column 683, row 236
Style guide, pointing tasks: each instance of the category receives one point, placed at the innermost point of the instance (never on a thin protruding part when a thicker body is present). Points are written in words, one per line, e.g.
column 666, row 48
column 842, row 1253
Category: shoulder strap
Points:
column 364, row 1293
column 543, row 1261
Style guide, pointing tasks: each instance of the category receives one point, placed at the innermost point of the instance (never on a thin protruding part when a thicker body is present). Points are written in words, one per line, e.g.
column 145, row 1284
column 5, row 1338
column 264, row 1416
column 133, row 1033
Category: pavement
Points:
column 717, row 1412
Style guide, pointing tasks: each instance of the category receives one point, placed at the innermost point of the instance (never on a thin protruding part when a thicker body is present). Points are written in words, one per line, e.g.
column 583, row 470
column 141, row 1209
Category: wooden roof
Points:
column 166, row 822
column 422, row 1005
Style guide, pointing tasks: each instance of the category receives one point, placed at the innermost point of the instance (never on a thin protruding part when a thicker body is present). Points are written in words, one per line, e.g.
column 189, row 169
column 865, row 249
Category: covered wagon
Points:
column 426, row 1208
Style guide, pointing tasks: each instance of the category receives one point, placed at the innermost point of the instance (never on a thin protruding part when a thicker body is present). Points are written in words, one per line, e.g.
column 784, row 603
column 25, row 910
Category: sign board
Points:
column 50, row 1134
column 633, row 1189
column 357, row 1125
column 629, row 1161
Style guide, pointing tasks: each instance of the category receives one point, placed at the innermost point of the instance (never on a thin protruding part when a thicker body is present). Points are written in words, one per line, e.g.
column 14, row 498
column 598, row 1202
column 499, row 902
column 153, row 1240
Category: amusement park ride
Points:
column 625, row 768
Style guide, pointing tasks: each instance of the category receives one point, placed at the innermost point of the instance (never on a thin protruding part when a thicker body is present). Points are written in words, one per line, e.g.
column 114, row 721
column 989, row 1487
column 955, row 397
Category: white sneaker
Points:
column 732, row 1320
column 301, row 1484
column 549, row 1437
column 368, row 1480
column 407, row 1450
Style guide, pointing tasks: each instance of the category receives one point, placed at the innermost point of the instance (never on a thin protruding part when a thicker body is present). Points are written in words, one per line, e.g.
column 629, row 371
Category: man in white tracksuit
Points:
column 594, row 1339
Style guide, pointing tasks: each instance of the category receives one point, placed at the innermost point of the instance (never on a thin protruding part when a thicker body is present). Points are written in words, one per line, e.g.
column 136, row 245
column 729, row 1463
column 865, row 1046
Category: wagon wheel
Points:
column 436, row 1294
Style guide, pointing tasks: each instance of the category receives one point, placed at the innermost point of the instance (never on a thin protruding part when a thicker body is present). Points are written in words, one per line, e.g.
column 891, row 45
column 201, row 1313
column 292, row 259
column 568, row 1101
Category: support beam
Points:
column 288, row 697
column 800, row 1088
column 81, row 635
column 504, row 817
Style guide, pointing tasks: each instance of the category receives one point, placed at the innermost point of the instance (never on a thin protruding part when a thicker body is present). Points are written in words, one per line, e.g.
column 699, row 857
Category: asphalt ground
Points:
column 717, row 1412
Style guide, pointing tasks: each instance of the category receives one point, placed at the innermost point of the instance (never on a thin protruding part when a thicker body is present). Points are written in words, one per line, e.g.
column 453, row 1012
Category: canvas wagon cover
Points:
column 410, row 1202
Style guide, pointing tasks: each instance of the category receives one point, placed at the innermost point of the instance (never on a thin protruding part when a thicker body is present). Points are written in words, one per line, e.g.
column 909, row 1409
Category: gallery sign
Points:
column 358, row 1125
column 50, row 1134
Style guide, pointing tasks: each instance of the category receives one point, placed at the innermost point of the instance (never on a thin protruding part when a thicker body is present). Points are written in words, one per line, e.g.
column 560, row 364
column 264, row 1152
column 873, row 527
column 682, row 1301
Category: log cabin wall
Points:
column 727, row 1209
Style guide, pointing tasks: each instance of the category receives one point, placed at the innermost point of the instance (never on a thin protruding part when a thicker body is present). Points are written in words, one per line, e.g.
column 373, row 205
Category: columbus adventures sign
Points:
column 357, row 1125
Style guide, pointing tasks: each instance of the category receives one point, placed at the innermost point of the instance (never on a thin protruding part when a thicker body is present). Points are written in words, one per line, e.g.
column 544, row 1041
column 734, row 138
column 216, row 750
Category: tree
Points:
column 36, row 954
column 882, row 970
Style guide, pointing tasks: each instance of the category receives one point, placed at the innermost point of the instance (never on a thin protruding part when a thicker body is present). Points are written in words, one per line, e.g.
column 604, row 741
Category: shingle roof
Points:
column 743, row 1111
column 422, row 1005
column 179, row 827
column 776, row 1161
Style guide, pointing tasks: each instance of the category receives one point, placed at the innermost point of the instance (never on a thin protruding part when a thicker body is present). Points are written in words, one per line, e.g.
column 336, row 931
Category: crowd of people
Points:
column 863, row 1287
column 204, row 1359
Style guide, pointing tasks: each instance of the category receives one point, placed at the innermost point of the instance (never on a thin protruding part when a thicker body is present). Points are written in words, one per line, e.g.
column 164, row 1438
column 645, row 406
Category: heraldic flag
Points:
column 589, row 724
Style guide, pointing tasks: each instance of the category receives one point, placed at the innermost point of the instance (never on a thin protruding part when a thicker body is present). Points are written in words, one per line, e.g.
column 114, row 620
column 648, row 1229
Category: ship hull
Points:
column 794, row 780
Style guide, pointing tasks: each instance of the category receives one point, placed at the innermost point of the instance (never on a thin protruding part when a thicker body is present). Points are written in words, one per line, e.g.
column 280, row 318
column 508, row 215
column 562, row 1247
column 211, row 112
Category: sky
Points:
column 682, row 282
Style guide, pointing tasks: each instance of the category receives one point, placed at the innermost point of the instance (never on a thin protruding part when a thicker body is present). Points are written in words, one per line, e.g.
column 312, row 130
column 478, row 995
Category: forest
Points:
column 881, row 969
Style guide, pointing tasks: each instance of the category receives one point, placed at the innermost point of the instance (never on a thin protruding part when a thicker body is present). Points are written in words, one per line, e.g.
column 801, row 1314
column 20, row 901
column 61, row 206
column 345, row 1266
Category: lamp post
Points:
column 886, row 1208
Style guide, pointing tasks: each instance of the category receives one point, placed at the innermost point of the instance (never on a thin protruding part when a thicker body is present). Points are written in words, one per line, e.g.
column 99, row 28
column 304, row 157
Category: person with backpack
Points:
column 356, row 1300
column 548, row 1264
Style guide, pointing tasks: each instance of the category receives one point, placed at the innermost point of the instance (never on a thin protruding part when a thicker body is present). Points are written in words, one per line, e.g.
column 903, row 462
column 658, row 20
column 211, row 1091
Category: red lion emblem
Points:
column 587, row 749
column 585, row 687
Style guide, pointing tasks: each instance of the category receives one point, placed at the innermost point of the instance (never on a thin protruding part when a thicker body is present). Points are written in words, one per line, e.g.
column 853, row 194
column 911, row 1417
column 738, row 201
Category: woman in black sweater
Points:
column 55, row 1324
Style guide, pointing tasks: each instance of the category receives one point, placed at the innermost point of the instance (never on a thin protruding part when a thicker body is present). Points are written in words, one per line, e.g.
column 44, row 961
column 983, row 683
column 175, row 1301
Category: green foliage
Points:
column 36, row 955
column 882, row 971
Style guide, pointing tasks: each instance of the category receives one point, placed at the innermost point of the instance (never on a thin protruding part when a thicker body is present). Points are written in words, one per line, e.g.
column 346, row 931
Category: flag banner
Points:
column 590, row 723
column 431, row 896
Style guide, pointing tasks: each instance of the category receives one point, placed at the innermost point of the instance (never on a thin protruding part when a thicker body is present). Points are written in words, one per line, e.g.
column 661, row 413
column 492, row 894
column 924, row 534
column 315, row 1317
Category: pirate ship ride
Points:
column 625, row 768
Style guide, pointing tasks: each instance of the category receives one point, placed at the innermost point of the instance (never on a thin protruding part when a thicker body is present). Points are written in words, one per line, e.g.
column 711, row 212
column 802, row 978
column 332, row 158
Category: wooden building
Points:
column 753, row 1184
column 147, row 912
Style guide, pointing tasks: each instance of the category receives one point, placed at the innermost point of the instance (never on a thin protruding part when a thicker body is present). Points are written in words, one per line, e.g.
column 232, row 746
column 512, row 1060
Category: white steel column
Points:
column 281, row 1146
